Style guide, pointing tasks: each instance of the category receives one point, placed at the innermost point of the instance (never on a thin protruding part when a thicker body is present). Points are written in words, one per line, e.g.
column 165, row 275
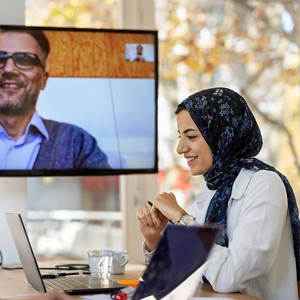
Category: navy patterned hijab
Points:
column 230, row 129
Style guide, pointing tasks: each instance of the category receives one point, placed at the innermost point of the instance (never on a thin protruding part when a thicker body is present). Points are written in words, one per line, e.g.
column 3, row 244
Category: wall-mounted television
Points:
column 77, row 101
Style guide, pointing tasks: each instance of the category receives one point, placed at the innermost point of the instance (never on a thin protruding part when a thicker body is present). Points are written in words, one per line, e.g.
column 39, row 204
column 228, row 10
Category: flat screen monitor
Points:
column 77, row 101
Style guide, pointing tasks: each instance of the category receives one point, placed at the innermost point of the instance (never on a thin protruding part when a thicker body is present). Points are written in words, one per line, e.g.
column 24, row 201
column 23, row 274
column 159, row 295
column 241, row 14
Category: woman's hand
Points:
column 150, row 230
column 167, row 205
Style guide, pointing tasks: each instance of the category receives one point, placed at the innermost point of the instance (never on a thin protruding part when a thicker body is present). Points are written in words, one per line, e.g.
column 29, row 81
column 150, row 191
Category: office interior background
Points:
column 249, row 46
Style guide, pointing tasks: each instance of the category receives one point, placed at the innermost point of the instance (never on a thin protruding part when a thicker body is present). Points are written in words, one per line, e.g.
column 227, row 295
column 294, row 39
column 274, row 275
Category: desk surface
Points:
column 13, row 284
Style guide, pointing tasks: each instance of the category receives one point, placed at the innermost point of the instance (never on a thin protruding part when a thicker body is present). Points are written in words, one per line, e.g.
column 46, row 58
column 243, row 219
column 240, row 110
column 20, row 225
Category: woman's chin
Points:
column 195, row 172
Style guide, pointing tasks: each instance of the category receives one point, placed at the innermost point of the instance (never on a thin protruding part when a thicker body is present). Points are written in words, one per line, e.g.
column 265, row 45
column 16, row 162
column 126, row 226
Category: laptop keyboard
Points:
column 64, row 284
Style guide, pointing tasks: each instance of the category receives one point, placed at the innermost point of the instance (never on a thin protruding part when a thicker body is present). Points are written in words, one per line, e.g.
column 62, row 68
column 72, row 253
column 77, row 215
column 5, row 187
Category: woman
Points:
column 219, row 137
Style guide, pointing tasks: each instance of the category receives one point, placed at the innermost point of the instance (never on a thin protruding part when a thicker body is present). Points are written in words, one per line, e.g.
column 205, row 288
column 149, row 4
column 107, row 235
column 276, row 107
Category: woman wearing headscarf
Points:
column 258, row 252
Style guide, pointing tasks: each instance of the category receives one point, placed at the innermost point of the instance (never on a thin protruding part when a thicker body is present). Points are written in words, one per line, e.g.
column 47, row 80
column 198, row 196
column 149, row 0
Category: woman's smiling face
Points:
column 192, row 145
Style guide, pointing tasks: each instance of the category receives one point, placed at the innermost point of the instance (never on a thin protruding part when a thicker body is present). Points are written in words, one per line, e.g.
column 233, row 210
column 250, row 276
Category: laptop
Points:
column 71, row 285
column 174, row 271
column 178, row 263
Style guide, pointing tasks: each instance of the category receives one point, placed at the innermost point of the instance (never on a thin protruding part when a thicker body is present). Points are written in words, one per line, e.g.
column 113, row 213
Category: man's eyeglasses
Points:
column 22, row 60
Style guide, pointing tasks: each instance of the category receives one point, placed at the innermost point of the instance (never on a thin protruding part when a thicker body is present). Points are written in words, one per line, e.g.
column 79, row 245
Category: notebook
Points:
column 177, row 266
column 71, row 285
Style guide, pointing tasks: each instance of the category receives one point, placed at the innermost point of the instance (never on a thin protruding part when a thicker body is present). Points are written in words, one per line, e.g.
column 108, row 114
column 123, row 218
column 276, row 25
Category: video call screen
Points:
column 97, row 111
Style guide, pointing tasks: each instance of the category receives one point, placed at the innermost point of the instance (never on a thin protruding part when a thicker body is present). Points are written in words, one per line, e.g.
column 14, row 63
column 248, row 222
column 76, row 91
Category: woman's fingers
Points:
column 145, row 216
column 163, row 218
column 156, row 216
column 148, row 216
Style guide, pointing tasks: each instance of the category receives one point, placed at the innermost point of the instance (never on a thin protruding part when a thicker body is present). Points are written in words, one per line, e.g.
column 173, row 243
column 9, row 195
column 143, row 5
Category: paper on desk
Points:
column 96, row 297
column 19, row 295
column 106, row 297
column 209, row 298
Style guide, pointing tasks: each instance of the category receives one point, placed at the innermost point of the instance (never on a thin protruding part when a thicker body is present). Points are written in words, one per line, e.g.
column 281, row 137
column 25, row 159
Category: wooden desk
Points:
column 206, row 291
column 13, row 284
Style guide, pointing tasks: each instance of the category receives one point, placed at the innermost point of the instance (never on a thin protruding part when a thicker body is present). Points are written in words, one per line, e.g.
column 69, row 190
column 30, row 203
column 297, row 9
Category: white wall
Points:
column 12, row 199
column 12, row 190
column 136, row 14
column 12, row 12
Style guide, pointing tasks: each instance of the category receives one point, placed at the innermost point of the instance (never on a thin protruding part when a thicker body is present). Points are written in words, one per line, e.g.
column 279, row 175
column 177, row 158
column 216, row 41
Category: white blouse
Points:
column 260, row 258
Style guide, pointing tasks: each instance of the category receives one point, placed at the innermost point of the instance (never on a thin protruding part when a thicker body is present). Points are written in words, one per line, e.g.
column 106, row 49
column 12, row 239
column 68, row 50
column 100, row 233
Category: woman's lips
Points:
column 191, row 160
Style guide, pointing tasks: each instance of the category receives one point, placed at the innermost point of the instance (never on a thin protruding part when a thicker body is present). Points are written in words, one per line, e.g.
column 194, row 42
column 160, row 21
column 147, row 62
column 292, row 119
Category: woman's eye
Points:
column 191, row 137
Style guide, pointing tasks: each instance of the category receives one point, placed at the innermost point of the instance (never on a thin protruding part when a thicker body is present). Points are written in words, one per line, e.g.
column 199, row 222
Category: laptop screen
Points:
column 180, row 252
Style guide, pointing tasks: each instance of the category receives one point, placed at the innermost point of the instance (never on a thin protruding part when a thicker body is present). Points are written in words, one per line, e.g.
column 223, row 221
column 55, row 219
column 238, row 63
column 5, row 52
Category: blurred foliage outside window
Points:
column 249, row 46
column 72, row 13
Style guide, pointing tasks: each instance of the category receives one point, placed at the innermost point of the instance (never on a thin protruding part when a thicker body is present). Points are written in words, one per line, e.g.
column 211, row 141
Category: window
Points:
column 249, row 46
column 67, row 216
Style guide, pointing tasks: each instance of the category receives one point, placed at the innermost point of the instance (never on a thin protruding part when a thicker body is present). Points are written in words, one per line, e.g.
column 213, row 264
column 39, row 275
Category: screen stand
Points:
column 13, row 198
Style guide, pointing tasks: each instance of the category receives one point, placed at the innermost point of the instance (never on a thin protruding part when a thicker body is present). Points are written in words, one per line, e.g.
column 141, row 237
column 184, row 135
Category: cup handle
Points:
column 125, row 261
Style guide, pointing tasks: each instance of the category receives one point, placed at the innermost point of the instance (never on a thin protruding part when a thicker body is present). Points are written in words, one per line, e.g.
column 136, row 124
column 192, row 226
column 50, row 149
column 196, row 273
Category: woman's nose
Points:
column 181, row 147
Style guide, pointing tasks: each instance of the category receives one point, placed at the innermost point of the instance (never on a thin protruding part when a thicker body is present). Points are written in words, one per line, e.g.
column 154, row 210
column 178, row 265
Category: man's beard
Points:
column 16, row 107
column 15, row 102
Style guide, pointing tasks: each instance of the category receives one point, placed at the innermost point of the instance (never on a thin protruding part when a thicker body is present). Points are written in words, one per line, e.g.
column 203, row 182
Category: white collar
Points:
column 241, row 183
column 238, row 189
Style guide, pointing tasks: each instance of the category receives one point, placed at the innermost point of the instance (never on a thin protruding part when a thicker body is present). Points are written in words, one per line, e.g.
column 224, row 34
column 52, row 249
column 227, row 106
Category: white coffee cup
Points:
column 120, row 259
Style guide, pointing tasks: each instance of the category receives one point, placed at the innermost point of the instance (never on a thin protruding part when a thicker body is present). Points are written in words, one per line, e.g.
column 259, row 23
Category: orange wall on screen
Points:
column 95, row 54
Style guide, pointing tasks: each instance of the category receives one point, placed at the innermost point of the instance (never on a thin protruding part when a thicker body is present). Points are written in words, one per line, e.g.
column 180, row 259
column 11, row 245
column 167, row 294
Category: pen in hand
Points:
column 150, row 203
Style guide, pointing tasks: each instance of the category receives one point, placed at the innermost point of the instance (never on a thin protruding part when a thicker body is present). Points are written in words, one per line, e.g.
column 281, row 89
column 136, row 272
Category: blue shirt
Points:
column 21, row 154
